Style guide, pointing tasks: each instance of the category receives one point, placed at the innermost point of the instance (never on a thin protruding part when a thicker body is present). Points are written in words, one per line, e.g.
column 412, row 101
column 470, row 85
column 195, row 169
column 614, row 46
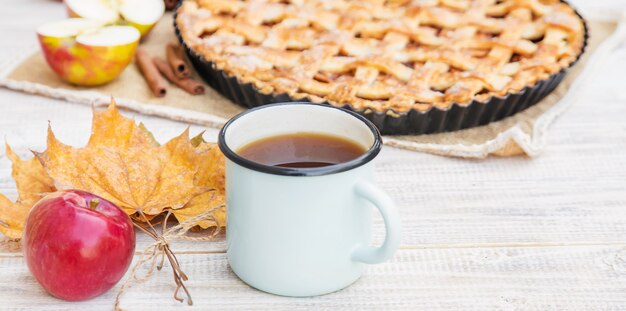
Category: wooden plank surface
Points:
column 498, row 234
column 527, row 278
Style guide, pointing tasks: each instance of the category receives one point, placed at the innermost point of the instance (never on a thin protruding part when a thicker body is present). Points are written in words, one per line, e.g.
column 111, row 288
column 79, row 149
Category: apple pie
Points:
column 386, row 56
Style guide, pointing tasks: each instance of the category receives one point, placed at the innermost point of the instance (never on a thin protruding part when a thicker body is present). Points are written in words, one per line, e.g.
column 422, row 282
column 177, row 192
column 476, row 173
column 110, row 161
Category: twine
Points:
column 160, row 248
column 11, row 245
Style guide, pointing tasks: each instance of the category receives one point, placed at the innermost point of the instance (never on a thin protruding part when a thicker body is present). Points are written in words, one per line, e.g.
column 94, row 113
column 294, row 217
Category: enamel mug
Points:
column 303, row 231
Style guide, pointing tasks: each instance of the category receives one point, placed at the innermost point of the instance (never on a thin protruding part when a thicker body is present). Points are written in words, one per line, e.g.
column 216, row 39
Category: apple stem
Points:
column 93, row 204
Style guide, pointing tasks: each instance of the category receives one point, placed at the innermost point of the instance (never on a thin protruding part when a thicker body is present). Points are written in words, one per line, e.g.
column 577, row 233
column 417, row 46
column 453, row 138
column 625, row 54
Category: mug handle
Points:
column 370, row 254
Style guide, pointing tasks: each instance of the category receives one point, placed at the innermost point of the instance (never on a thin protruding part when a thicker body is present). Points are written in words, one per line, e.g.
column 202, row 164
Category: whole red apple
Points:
column 77, row 245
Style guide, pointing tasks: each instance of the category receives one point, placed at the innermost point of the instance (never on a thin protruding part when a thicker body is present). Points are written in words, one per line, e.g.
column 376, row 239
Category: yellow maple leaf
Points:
column 123, row 163
column 32, row 184
column 110, row 128
column 30, row 177
column 12, row 217
column 210, row 175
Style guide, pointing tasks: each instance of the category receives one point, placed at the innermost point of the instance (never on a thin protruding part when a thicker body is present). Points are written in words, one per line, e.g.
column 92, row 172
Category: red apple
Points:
column 77, row 244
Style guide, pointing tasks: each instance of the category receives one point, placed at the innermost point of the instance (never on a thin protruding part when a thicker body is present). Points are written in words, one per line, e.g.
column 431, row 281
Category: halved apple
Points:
column 85, row 52
column 141, row 14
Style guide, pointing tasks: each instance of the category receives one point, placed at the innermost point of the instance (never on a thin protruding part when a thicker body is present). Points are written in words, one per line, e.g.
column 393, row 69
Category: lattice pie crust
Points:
column 381, row 55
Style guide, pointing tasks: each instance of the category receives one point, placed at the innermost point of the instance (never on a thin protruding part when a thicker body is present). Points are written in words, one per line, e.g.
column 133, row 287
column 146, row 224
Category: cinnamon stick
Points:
column 177, row 61
column 189, row 85
column 170, row 4
column 150, row 73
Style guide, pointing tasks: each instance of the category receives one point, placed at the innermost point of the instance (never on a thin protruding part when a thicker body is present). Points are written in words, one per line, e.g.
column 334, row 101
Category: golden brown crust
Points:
column 381, row 55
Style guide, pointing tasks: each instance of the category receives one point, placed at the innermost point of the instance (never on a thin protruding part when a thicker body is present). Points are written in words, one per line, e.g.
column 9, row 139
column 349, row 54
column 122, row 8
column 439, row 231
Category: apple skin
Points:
column 85, row 65
column 74, row 252
column 70, row 12
column 144, row 29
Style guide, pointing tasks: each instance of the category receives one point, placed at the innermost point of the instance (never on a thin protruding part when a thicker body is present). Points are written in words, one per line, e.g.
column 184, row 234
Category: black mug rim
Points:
column 361, row 160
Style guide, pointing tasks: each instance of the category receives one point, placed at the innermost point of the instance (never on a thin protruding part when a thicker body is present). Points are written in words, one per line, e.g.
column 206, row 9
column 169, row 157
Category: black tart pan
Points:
column 413, row 122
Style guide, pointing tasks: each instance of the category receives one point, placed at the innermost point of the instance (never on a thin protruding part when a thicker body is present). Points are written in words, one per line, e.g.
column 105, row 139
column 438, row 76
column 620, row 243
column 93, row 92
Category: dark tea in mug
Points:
column 302, row 150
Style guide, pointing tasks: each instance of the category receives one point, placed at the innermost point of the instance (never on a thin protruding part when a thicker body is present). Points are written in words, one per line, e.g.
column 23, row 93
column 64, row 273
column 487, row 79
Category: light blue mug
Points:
column 303, row 231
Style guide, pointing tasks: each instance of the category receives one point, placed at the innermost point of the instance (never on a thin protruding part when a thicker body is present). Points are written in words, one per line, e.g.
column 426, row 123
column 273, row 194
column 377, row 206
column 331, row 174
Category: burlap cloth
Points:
column 523, row 133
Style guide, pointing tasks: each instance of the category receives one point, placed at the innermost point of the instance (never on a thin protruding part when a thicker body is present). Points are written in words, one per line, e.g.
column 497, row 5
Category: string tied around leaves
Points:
column 154, row 254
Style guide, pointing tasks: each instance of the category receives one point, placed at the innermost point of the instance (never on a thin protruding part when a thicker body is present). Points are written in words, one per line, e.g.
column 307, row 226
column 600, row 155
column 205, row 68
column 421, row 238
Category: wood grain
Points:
column 528, row 278
column 547, row 233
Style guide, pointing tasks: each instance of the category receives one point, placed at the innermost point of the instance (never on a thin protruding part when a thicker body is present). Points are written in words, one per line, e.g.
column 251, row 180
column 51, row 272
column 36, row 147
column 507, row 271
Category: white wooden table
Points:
column 547, row 233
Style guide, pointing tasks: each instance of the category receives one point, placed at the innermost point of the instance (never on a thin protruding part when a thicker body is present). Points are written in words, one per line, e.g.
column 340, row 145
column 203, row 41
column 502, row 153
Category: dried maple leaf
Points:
column 124, row 164
column 32, row 183
column 30, row 177
column 110, row 128
column 210, row 175
column 12, row 217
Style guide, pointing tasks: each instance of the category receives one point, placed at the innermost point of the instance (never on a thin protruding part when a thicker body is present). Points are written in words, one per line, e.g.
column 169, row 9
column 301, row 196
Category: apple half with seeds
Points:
column 141, row 14
column 85, row 52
